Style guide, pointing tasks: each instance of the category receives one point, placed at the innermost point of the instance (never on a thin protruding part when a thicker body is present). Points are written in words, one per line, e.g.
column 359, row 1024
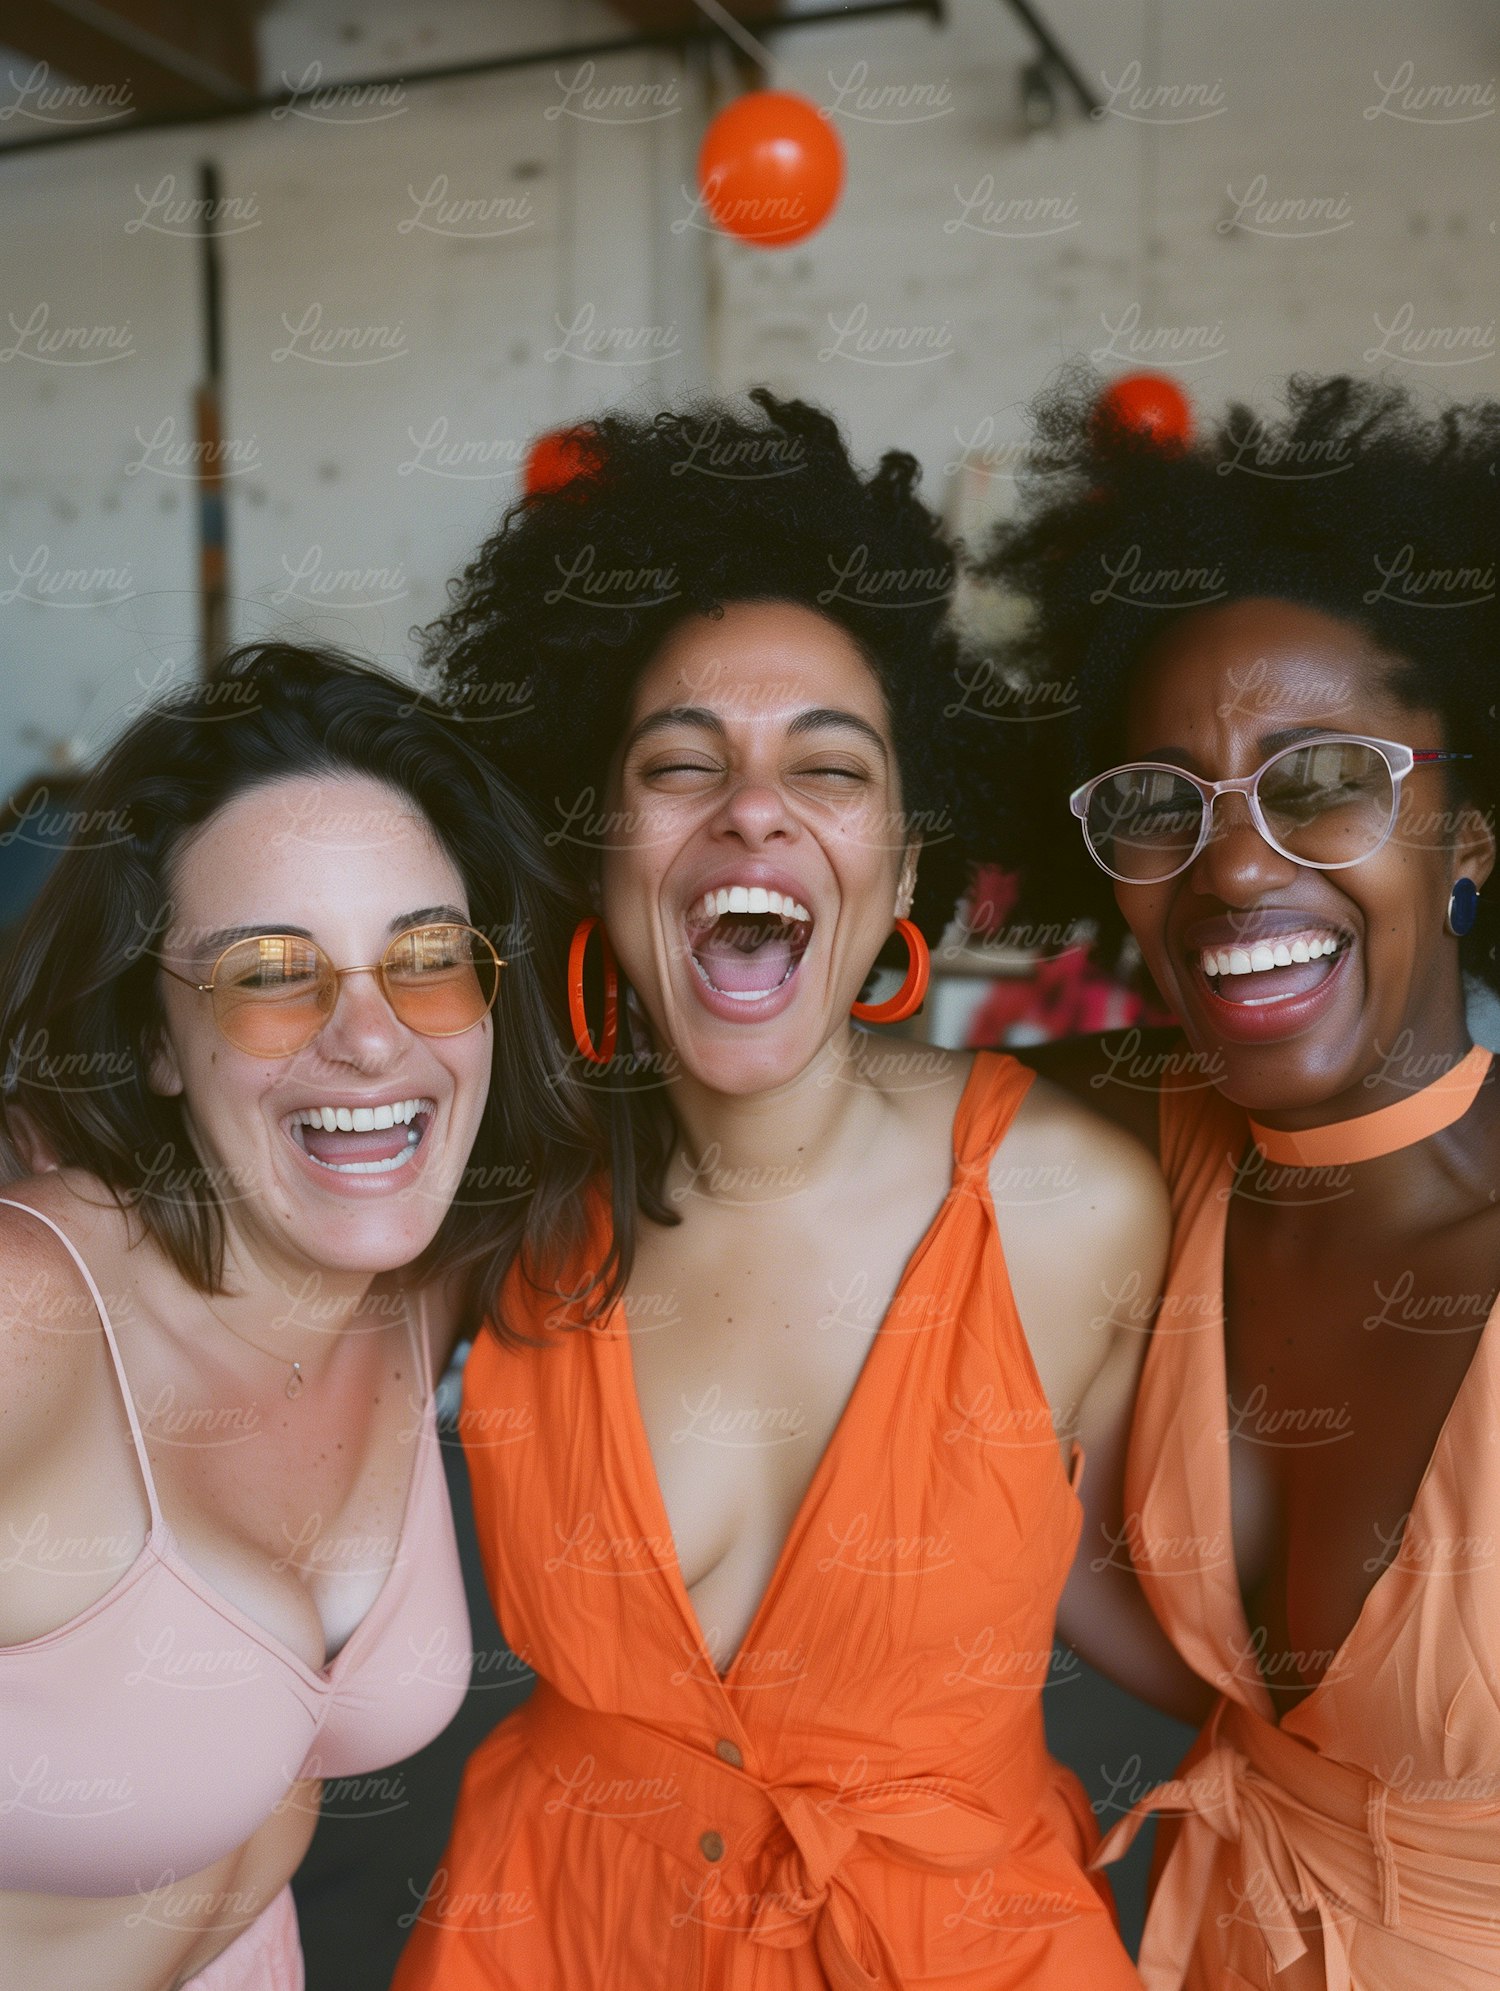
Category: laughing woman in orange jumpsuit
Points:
column 1292, row 787
column 783, row 1530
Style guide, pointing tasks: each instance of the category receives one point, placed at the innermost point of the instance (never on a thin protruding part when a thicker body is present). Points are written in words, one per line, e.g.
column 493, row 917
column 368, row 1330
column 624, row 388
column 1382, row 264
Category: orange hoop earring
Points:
column 577, row 1015
column 912, row 993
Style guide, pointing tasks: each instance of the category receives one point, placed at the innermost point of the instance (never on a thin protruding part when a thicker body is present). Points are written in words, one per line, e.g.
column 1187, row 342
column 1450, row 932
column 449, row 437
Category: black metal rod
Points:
column 213, row 320
column 492, row 65
column 213, row 524
column 1054, row 51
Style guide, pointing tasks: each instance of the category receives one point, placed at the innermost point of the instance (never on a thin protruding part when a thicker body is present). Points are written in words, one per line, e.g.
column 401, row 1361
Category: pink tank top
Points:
column 156, row 1731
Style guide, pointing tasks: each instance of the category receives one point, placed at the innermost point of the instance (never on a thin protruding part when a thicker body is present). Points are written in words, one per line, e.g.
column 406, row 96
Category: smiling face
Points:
column 346, row 1155
column 757, row 857
column 1302, row 980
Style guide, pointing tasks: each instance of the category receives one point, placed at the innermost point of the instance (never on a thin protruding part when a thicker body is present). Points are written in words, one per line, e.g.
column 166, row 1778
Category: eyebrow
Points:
column 815, row 719
column 1268, row 744
column 225, row 936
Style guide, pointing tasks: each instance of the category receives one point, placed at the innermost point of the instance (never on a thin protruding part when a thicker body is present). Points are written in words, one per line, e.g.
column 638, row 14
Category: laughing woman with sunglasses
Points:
column 1289, row 787
column 273, row 1035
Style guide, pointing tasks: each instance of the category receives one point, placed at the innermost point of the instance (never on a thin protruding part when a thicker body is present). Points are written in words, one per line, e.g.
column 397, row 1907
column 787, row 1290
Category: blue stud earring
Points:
column 1463, row 907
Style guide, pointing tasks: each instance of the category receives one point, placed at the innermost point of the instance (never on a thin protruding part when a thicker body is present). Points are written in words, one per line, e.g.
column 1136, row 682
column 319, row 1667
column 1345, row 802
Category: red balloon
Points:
column 770, row 168
column 558, row 458
column 1147, row 405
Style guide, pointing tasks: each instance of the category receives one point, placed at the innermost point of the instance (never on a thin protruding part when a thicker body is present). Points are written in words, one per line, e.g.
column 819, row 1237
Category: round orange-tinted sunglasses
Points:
column 273, row 992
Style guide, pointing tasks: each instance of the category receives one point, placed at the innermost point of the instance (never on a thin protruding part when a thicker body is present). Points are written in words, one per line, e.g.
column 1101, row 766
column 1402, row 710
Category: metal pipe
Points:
column 1054, row 52
column 213, row 556
column 736, row 31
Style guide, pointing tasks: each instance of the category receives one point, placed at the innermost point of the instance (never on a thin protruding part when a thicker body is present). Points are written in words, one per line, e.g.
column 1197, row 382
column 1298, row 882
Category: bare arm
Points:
column 1103, row 1613
column 45, row 1332
column 1086, row 1267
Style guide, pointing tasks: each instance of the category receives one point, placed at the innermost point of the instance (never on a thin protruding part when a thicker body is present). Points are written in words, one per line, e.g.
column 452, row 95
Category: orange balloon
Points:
column 770, row 168
column 559, row 457
column 1147, row 405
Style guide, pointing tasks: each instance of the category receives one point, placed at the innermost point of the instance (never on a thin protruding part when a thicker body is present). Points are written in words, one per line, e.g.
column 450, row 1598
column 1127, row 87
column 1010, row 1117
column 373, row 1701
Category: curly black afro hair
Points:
column 680, row 515
column 1354, row 500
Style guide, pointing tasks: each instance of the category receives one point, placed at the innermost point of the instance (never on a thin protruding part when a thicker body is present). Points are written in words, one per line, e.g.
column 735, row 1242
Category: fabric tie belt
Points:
column 1316, row 1838
column 711, row 1813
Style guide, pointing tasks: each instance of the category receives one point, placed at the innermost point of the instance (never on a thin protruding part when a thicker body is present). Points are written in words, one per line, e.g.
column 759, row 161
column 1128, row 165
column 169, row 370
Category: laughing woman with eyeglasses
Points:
column 1288, row 771
column 275, row 1022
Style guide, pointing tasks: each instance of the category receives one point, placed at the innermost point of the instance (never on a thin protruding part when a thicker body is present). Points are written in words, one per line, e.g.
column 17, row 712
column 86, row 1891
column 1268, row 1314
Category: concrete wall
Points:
column 416, row 283
column 1249, row 200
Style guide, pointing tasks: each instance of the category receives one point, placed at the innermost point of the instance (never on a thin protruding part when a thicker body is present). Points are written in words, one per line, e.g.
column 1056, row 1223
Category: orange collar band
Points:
column 1401, row 1125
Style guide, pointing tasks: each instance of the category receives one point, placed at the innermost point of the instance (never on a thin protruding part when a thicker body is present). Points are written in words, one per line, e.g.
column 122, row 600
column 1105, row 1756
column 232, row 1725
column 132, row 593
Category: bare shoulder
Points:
column 1096, row 1163
column 1085, row 1219
column 49, row 1326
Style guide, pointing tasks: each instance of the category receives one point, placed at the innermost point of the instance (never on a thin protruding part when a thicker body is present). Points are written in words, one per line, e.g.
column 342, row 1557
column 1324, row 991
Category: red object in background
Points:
column 1068, row 996
column 1148, row 405
column 558, row 457
column 991, row 897
column 770, row 168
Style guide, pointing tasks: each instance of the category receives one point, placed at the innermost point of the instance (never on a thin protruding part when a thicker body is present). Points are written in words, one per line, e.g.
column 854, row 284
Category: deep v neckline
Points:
column 1223, row 1485
column 615, row 1331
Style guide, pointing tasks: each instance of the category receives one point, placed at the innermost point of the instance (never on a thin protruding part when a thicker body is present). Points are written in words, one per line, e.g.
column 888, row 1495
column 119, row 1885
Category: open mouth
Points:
column 1276, row 968
column 362, row 1140
column 747, row 941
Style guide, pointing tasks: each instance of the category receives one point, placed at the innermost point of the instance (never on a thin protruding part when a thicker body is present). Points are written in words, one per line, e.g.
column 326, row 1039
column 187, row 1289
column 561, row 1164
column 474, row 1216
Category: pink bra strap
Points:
column 424, row 1352
column 97, row 1297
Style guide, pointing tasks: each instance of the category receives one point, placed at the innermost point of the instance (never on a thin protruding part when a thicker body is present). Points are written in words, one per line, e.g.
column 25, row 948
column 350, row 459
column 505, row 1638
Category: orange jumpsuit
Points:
column 1356, row 1846
column 865, row 1798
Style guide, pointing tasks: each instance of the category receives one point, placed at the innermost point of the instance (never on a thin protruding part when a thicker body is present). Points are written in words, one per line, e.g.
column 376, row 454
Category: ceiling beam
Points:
column 171, row 55
column 696, row 31
column 658, row 16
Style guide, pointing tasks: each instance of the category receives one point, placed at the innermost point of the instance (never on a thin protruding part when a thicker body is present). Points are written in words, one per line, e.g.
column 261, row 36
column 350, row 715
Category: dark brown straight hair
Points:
column 80, row 1011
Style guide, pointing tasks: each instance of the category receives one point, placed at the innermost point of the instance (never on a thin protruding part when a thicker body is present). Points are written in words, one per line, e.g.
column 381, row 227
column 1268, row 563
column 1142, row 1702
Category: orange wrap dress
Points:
column 1356, row 1846
column 865, row 1798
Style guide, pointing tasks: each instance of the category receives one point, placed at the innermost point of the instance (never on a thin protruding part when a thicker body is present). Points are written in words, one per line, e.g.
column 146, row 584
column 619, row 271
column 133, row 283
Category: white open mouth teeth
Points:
column 748, row 899
column 733, row 923
column 415, row 1115
column 1285, row 951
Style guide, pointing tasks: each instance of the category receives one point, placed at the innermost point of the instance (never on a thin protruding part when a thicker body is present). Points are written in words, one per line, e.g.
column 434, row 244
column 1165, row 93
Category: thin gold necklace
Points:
column 296, row 1382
